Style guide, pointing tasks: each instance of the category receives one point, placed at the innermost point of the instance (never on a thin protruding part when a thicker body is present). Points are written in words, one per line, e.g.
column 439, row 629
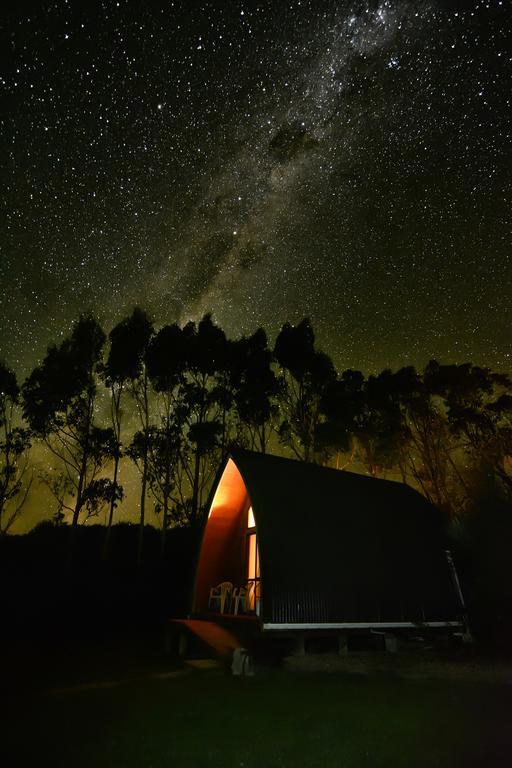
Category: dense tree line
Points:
column 180, row 397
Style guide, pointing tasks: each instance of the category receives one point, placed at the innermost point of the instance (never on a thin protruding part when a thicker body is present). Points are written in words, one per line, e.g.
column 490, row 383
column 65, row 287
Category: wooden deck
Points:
column 222, row 633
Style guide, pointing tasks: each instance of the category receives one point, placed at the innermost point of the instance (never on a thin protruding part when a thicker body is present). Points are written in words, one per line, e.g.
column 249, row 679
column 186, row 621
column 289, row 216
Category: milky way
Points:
column 346, row 161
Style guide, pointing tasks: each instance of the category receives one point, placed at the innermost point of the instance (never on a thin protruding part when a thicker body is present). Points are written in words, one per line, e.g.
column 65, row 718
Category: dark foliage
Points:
column 483, row 543
column 44, row 602
column 15, row 480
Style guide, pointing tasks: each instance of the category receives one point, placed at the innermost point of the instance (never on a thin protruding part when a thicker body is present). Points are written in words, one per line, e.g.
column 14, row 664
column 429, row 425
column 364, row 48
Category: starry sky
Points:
column 346, row 161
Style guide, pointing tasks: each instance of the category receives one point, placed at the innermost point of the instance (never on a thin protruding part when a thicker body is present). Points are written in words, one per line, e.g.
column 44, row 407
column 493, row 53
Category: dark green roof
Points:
column 355, row 547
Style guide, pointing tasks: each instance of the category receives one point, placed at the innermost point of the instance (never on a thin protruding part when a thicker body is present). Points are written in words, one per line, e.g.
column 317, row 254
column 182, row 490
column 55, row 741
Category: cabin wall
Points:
column 222, row 556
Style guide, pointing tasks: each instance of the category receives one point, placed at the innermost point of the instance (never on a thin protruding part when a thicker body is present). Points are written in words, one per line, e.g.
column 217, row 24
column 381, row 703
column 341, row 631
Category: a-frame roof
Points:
column 361, row 545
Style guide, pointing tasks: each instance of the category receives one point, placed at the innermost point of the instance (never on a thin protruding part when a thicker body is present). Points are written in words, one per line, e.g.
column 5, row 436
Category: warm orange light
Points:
column 250, row 519
column 230, row 491
column 253, row 570
column 223, row 550
column 253, row 557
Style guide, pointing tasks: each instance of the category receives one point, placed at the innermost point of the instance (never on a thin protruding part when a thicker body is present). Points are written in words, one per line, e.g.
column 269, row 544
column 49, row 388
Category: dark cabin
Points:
column 325, row 549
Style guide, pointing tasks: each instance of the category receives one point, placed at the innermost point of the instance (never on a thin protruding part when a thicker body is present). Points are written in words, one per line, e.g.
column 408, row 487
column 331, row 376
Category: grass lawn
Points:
column 198, row 718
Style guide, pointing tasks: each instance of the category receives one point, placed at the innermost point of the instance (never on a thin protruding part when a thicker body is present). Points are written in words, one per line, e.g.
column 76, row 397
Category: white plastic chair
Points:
column 239, row 597
column 243, row 596
column 221, row 594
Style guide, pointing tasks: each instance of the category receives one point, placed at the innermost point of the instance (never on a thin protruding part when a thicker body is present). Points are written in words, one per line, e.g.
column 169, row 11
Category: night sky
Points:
column 346, row 161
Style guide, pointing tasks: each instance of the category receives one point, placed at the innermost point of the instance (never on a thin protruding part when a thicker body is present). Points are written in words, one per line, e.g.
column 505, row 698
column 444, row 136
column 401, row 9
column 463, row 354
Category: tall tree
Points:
column 127, row 368
column 432, row 445
column 379, row 427
column 479, row 412
column 15, row 481
column 166, row 370
column 201, row 398
column 305, row 375
column 59, row 400
column 341, row 406
column 256, row 390
column 162, row 447
column 123, row 367
column 189, row 370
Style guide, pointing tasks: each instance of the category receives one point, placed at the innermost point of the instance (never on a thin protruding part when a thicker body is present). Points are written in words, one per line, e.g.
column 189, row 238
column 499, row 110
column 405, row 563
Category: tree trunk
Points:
column 263, row 443
column 144, row 417
column 106, row 541
column 140, row 548
column 83, row 475
column 165, row 520
column 116, row 423
column 223, row 440
column 195, row 488
column 78, row 507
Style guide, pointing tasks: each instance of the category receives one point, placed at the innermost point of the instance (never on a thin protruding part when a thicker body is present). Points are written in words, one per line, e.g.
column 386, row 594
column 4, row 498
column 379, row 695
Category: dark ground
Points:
column 86, row 682
column 129, row 705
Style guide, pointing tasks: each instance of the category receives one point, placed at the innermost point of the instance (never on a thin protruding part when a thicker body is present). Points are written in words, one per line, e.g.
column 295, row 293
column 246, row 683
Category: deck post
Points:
column 342, row 644
column 182, row 645
column 391, row 642
column 299, row 646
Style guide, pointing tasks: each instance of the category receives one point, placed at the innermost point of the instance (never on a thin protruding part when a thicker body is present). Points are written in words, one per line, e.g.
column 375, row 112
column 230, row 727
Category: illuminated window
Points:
column 253, row 561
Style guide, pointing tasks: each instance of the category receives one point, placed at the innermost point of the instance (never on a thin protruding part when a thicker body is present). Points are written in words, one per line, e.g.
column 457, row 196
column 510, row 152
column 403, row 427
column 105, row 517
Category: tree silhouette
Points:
column 99, row 493
column 163, row 455
column 59, row 400
column 432, row 445
column 379, row 428
column 191, row 372
column 128, row 339
column 228, row 380
column 15, row 481
column 306, row 373
column 166, row 370
column 341, row 405
column 196, row 394
column 479, row 411
column 201, row 399
column 256, row 390
column 126, row 367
